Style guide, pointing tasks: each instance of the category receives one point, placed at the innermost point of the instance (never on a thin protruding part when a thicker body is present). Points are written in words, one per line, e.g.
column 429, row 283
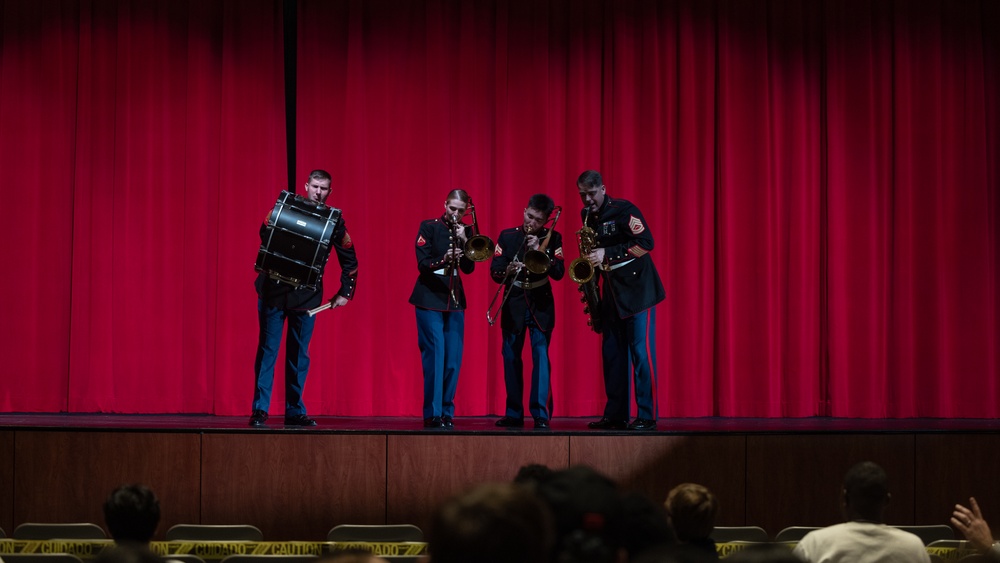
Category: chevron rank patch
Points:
column 635, row 224
column 421, row 241
column 558, row 252
column 498, row 250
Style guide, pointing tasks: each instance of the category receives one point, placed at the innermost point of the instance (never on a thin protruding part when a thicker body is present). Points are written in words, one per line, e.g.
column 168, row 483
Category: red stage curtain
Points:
column 820, row 178
column 129, row 132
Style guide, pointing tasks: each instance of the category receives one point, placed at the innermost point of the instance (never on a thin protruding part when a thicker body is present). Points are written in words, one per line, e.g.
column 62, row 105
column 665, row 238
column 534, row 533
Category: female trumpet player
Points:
column 525, row 259
column 440, row 306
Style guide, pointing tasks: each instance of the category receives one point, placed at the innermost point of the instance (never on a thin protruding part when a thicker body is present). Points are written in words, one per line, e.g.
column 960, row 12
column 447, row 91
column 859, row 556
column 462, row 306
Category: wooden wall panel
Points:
column 796, row 480
column 7, row 481
column 297, row 486
column 66, row 476
column 656, row 464
column 423, row 470
column 950, row 468
column 294, row 486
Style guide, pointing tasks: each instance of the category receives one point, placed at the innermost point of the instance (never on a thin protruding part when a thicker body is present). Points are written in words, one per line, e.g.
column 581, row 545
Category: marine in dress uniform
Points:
column 440, row 304
column 280, row 302
column 529, row 309
column 630, row 288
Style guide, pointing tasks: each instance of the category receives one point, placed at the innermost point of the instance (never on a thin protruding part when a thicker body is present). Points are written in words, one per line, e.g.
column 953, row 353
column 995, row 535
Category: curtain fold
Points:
column 145, row 122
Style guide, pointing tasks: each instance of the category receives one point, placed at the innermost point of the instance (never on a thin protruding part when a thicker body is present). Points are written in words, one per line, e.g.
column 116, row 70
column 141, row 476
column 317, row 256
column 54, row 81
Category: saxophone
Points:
column 581, row 271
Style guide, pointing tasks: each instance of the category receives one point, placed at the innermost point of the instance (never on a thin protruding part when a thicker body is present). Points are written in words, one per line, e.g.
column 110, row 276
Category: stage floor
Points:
column 485, row 425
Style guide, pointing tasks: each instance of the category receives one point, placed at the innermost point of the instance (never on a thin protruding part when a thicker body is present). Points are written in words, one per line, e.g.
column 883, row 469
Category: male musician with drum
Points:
column 630, row 289
column 281, row 302
column 525, row 259
column 439, row 300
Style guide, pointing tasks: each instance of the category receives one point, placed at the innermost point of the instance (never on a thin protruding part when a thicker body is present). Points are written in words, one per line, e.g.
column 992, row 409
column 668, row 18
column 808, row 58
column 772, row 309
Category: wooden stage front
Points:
column 296, row 484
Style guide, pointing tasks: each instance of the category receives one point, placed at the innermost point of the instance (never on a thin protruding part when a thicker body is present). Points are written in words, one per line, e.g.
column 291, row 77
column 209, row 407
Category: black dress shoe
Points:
column 299, row 420
column 608, row 424
column 433, row 422
column 510, row 422
column 447, row 422
column 541, row 422
column 642, row 424
column 258, row 418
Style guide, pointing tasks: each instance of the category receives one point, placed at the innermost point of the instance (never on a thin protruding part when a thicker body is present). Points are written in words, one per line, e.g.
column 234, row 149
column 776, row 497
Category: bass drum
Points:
column 295, row 243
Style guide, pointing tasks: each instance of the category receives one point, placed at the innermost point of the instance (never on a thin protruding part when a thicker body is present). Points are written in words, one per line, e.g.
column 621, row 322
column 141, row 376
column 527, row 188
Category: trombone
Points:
column 536, row 261
column 478, row 248
column 511, row 276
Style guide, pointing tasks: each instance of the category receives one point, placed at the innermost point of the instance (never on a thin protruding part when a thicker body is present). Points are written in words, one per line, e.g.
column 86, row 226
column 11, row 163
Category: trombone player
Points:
column 526, row 258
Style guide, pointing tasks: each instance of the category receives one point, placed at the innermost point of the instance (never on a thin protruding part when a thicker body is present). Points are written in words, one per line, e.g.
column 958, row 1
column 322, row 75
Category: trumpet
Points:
column 581, row 271
column 537, row 261
column 478, row 248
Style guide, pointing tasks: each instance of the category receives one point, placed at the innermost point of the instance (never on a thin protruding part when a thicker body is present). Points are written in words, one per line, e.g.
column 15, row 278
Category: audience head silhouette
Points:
column 863, row 538
column 131, row 514
column 691, row 508
column 644, row 525
column 586, row 506
column 866, row 492
column 491, row 523
column 532, row 474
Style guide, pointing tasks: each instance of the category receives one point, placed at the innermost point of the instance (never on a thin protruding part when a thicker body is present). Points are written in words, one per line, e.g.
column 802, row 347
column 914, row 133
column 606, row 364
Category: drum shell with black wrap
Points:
column 296, row 241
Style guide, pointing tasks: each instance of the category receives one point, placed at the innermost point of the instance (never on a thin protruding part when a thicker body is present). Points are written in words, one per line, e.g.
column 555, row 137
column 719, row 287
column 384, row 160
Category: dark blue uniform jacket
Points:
column 629, row 276
column 538, row 299
column 431, row 289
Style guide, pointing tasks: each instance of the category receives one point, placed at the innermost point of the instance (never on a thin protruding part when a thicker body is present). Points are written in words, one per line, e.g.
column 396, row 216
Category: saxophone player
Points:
column 526, row 258
column 630, row 290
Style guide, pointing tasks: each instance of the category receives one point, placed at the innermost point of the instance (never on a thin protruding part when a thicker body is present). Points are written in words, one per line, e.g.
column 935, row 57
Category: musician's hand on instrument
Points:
column 596, row 257
column 514, row 267
column 460, row 235
column 532, row 242
column 337, row 301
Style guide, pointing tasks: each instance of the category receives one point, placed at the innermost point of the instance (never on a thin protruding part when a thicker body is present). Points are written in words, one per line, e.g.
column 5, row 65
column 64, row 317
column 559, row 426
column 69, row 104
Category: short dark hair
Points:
column 866, row 486
column 542, row 203
column 692, row 509
column 867, row 480
column 319, row 174
column 132, row 513
column 532, row 474
column 590, row 179
column 491, row 523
